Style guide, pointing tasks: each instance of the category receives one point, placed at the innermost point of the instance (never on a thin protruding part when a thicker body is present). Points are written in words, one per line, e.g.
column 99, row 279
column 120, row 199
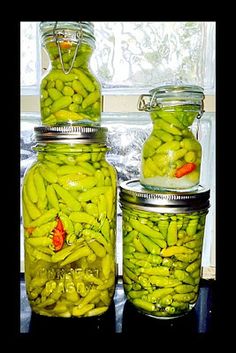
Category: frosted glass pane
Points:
column 138, row 55
column 146, row 54
column 28, row 53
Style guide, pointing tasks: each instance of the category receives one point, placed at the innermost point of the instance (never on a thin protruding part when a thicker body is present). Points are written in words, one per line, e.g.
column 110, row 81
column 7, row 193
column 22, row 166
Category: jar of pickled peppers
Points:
column 69, row 219
column 163, row 235
column 70, row 93
column 171, row 155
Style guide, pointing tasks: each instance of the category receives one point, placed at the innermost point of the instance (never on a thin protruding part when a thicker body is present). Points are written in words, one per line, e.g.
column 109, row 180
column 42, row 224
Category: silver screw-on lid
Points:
column 134, row 194
column 70, row 133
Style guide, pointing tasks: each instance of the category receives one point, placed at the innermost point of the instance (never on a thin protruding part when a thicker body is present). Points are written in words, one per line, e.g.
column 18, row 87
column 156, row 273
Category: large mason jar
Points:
column 69, row 219
column 70, row 93
column 171, row 155
column 163, row 235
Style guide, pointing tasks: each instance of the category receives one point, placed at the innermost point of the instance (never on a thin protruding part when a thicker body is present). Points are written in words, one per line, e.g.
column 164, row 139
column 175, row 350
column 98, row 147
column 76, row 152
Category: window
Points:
column 131, row 58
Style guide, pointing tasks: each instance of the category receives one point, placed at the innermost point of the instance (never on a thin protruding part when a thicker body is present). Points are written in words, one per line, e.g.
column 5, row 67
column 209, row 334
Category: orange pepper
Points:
column 185, row 169
column 30, row 229
column 65, row 45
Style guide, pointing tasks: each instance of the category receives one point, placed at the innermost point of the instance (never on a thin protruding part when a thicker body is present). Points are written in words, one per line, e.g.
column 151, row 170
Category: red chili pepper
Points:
column 58, row 240
column 59, row 225
column 185, row 169
column 58, row 237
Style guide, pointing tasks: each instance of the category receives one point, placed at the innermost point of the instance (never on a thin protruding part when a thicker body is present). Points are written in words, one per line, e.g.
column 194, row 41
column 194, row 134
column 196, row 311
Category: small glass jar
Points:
column 69, row 219
column 70, row 93
column 162, row 248
column 171, row 155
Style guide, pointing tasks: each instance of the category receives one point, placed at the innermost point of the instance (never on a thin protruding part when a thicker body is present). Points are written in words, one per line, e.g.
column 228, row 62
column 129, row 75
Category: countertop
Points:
column 123, row 318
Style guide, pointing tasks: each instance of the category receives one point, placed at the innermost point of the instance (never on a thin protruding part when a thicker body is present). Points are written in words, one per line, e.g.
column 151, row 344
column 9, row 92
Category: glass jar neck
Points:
column 68, row 55
column 181, row 115
column 69, row 44
column 182, row 102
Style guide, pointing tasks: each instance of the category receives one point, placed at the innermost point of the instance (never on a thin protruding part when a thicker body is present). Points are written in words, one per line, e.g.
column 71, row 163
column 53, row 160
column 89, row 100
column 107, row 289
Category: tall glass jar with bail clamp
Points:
column 171, row 155
column 163, row 235
column 69, row 219
column 70, row 93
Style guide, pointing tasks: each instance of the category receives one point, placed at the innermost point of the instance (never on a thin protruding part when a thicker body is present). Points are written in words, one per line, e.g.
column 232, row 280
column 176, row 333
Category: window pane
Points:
column 139, row 55
column 28, row 50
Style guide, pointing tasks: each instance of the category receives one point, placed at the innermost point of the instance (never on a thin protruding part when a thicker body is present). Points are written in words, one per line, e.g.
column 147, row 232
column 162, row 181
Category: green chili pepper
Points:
column 67, row 198
column 44, row 218
column 142, row 228
column 106, row 265
column 171, row 145
column 79, row 88
column 172, row 233
column 159, row 123
column 144, row 304
column 54, row 94
column 90, row 194
column 47, row 173
column 192, row 227
column 163, row 135
column 194, row 244
column 193, row 266
column 158, row 270
column 39, row 241
column 138, row 245
column 86, row 82
column 163, row 227
column 30, row 187
column 90, row 99
column 187, row 257
column 59, row 75
column 183, row 276
column 52, row 197
column 150, row 245
column 183, row 297
column 76, row 255
column 162, row 281
column 97, row 248
column 32, row 210
column 173, row 250
column 184, row 288
column 105, row 229
column 97, row 311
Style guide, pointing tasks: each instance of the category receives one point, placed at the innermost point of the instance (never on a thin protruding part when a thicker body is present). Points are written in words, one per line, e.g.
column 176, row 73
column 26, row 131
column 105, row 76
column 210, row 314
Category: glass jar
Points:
column 70, row 93
column 171, row 155
column 69, row 219
column 162, row 248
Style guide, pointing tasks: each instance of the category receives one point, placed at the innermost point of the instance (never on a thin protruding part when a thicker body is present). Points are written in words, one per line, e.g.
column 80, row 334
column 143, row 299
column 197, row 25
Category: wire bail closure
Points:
column 142, row 105
column 79, row 36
